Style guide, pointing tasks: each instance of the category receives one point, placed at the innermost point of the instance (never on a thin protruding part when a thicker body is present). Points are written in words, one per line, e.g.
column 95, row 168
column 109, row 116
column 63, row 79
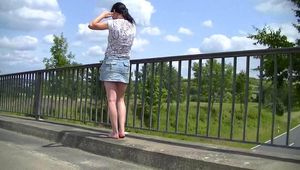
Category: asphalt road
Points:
column 294, row 141
column 18, row 151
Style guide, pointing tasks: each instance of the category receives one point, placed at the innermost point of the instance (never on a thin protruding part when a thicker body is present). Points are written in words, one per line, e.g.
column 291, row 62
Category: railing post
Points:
column 37, row 95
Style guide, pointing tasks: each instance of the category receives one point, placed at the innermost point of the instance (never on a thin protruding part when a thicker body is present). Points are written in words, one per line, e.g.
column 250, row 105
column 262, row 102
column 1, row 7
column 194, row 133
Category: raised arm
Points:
column 98, row 24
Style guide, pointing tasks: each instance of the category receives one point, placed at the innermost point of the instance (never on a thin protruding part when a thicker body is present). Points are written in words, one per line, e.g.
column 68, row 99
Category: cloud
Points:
column 31, row 14
column 274, row 6
column 208, row 23
column 87, row 34
column 220, row 42
column 49, row 38
column 95, row 51
column 185, row 31
column 139, row 44
column 172, row 38
column 141, row 10
column 193, row 51
column 151, row 31
column 19, row 43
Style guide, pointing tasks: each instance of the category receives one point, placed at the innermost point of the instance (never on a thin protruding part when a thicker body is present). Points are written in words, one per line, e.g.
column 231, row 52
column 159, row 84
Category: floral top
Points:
column 120, row 38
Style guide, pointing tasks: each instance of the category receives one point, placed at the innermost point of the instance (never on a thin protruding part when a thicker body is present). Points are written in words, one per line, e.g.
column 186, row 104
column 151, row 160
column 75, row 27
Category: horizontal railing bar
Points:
column 219, row 55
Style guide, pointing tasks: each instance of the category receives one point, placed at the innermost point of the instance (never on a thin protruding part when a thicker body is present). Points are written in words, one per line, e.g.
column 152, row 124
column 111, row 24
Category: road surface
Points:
column 18, row 151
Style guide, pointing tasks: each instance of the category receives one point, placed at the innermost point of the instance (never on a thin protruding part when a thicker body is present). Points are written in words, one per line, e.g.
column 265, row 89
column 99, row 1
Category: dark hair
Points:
column 121, row 9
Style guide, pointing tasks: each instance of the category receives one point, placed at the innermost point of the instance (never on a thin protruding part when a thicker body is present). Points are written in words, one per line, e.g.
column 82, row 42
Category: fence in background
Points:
column 242, row 96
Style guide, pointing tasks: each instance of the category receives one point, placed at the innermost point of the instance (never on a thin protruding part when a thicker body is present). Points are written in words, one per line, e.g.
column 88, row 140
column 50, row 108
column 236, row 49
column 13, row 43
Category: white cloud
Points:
column 220, row 42
column 208, row 23
column 274, row 6
column 172, row 38
column 141, row 10
column 19, row 43
column 49, row 39
column 95, row 51
column 139, row 44
column 151, row 31
column 193, row 51
column 31, row 14
column 87, row 34
column 185, row 31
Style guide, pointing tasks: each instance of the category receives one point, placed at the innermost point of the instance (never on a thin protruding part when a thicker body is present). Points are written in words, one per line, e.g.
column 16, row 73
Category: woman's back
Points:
column 120, row 38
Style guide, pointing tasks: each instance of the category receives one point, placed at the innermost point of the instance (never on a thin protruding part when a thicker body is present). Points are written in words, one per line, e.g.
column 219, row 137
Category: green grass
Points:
column 188, row 133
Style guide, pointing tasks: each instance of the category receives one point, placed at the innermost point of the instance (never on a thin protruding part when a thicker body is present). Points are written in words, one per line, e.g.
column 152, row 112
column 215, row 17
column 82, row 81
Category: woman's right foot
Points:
column 122, row 135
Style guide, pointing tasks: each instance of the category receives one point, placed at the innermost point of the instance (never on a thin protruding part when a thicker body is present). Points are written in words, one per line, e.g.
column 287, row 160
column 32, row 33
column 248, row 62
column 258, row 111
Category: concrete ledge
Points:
column 158, row 153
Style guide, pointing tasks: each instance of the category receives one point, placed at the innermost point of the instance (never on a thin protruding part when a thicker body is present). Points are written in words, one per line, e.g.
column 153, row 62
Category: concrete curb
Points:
column 156, row 155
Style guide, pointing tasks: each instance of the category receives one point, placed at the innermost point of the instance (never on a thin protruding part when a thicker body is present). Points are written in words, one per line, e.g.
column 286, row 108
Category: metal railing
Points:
column 242, row 96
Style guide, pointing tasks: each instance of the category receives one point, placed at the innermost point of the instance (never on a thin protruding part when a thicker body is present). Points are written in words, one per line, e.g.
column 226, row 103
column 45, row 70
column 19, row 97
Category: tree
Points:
column 274, row 39
column 60, row 56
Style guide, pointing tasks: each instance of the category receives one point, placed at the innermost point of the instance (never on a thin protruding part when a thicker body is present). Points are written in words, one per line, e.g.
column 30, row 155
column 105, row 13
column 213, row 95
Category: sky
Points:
column 164, row 28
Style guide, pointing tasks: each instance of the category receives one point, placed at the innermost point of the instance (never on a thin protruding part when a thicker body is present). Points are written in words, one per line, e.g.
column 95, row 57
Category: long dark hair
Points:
column 120, row 8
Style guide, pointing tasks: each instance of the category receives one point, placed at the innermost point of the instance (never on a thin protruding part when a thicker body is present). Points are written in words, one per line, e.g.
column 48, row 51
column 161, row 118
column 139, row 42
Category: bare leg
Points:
column 121, row 89
column 111, row 94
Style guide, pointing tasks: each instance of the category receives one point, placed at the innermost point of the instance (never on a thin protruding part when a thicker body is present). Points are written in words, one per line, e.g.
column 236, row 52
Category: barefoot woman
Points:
column 114, row 71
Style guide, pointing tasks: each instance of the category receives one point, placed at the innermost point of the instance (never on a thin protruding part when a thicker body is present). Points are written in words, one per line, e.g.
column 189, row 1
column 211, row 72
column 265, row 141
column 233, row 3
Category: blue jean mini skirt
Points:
column 115, row 69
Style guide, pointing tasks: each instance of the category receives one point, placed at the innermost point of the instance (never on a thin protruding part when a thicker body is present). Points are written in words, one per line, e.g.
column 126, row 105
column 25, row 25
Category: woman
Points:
column 114, row 71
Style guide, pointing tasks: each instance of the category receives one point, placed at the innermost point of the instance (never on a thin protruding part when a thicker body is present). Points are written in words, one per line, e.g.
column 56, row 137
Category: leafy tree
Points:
column 60, row 56
column 274, row 39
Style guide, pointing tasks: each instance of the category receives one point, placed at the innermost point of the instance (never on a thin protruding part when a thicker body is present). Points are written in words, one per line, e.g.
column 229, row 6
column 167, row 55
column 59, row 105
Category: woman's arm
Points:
column 97, row 23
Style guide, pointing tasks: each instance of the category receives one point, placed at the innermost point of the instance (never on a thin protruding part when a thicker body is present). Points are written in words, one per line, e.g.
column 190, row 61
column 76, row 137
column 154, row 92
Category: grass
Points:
column 190, row 131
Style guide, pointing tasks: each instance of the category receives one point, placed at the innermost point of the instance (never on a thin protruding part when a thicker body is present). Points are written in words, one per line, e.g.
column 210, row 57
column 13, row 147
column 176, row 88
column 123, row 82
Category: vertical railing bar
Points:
column 48, row 82
column 44, row 96
column 151, row 94
column 199, row 83
column 10, row 93
column 65, row 94
column 92, row 87
column 67, row 91
column 188, row 97
column 76, row 95
column 246, row 97
column 160, row 95
column 72, row 81
column 32, row 93
column 53, row 94
column 86, row 94
column 168, row 98
column 56, row 76
column 221, row 96
column 128, row 95
column 81, row 95
column 135, row 93
column 60, row 78
column 143, row 94
column 51, row 79
column 178, row 94
column 274, row 97
column 209, row 97
column 289, row 109
column 233, row 97
column 261, row 67
column 13, row 93
column 17, row 94
column 97, row 87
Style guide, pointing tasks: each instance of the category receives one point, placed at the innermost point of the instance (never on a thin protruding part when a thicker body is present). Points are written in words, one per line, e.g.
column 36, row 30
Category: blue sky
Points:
column 164, row 28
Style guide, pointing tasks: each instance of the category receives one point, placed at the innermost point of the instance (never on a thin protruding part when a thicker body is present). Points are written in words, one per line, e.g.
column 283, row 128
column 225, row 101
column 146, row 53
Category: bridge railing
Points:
column 242, row 96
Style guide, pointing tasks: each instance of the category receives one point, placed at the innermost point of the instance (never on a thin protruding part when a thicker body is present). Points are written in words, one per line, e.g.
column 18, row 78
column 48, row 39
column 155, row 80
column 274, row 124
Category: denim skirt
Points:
column 115, row 69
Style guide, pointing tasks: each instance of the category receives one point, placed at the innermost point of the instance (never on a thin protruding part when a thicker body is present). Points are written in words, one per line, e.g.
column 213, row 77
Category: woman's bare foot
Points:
column 113, row 135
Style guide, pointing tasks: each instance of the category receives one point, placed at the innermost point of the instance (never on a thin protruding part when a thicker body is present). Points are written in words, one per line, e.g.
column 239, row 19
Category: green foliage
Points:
column 60, row 56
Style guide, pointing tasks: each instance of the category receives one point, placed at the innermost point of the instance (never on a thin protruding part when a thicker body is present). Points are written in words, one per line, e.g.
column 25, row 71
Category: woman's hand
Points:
column 106, row 14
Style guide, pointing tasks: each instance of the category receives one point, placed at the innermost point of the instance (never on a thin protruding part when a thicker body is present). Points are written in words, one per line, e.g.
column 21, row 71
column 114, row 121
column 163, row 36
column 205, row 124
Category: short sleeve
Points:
column 110, row 24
